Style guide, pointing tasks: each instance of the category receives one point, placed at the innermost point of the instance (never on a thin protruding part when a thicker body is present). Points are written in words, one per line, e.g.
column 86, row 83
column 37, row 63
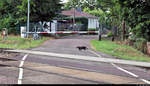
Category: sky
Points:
column 64, row 1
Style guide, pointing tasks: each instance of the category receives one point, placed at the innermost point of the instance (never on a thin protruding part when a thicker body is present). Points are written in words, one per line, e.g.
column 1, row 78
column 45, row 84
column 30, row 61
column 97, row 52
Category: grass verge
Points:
column 120, row 51
column 16, row 42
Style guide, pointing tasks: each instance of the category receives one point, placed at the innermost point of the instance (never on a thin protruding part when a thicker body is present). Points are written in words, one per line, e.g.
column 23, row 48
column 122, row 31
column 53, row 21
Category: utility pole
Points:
column 73, row 14
column 124, row 30
column 28, row 19
column 74, row 18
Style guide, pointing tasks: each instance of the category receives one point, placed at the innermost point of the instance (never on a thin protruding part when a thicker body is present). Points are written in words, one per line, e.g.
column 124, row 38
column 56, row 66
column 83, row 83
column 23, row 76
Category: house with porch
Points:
column 93, row 22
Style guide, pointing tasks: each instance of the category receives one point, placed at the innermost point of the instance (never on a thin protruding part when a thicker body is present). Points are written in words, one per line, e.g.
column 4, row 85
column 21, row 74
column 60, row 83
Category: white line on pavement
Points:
column 20, row 76
column 21, row 69
column 21, row 64
column 20, row 73
column 121, row 69
column 24, row 58
column 148, row 82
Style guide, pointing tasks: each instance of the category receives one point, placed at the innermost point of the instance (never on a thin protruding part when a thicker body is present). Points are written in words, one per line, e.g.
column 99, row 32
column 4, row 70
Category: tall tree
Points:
column 12, row 12
column 41, row 10
column 80, row 3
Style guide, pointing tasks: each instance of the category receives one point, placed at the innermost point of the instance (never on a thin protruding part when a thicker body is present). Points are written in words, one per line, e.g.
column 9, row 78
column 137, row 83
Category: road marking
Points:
column 121, row 69
column 21, row 64
column 24, row 58
column 21, row 69
column 20, row 73
column 148, row 82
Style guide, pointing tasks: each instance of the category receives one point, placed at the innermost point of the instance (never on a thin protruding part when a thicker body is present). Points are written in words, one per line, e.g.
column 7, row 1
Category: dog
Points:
column 82, row 48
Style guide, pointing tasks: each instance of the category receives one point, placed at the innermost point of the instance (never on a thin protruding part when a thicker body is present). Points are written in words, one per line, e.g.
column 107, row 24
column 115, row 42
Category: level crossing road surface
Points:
column 37, row 69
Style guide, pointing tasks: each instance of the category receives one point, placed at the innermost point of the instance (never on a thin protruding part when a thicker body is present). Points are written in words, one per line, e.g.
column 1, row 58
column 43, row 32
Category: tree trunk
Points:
column 124, row 30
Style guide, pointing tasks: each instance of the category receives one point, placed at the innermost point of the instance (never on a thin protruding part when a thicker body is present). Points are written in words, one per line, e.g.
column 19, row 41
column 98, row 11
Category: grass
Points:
column 16, row 42
column 120, row 51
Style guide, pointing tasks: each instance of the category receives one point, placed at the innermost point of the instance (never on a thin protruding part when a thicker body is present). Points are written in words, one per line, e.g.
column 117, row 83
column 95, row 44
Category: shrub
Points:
column 109, row 34
column 140, row 44
column 91, row 29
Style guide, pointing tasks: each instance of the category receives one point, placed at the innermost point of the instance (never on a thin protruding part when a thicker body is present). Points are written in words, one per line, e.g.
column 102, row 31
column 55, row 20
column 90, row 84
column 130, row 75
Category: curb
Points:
column 86, row 58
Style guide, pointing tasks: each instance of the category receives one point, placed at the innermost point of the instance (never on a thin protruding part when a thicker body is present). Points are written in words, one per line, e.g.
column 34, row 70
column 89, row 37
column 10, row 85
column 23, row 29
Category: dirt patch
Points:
column 7, row 56
column 122, row 42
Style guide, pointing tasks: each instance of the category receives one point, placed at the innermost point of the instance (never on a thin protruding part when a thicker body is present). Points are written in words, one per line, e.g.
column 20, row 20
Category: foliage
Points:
column 120, row 51
column 91, row 29
column 140, row 44
column 80, row 4
column 20, row 43
column 135, row 13
column 8, row 13
column 109, row 34
column 13, row 12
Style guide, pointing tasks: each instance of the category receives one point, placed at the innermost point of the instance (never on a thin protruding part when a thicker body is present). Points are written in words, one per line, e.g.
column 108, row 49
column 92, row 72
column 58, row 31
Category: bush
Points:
column 109, row 34
column 140, row 44
column 91, row 29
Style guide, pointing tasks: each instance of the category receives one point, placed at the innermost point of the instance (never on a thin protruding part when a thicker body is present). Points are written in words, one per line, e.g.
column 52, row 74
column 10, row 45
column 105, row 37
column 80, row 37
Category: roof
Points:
column 77, row 14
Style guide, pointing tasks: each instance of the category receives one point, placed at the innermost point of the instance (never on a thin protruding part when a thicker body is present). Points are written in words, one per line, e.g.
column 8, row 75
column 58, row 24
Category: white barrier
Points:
column 23, row 32
column 65, row 32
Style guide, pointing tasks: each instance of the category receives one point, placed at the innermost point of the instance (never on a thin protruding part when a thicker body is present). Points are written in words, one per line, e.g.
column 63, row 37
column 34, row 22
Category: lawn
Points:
column 16, row 42
column 120, row 51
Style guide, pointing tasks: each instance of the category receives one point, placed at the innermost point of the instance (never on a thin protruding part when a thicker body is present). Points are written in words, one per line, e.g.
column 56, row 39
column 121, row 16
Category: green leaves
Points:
column 13, row 12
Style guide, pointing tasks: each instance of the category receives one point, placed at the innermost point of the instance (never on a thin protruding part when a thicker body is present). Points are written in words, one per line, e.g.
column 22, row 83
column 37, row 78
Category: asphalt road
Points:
column 54, row 70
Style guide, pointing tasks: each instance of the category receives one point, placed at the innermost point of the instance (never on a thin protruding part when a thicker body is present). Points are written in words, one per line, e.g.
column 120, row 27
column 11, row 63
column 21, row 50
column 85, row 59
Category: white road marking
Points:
column 21, row 69
column 148, row 82
column 20, row 76
column 24, row 58
column 21, row 64
column 121, row 69
column 20, row 73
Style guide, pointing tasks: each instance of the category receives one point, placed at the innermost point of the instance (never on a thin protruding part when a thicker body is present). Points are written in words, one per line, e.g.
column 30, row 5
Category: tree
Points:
column 80, row 3
column 8, row 12
column 13, row 12
column 41, row 10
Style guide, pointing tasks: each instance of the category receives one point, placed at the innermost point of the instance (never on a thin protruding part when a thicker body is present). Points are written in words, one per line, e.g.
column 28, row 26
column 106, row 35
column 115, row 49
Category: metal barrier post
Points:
column 99, row 35
column 4, row 34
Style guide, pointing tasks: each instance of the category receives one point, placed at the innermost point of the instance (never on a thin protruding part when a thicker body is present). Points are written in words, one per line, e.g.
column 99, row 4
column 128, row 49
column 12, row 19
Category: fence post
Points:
column 99, row 35
column 4, row 33
column 148, row 48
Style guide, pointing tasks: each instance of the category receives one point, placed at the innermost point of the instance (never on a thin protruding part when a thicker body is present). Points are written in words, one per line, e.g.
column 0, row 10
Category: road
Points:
column 37, row 69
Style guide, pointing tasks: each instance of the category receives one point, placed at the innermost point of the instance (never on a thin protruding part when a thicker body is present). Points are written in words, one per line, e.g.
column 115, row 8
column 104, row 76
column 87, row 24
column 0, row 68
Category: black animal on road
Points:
column 82, row 48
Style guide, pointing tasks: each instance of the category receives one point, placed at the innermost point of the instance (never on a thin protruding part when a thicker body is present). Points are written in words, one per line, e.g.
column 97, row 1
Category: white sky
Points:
column 64, row 1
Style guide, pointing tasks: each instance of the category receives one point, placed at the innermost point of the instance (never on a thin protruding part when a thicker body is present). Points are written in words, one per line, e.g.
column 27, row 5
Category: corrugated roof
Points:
column 77, row 14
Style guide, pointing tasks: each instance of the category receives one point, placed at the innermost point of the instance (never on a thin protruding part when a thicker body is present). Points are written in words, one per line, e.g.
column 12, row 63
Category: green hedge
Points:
column 91, row 29
column 140, row 44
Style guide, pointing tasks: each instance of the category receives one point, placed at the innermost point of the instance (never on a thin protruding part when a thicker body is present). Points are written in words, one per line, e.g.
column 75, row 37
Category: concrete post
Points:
column 148, row 48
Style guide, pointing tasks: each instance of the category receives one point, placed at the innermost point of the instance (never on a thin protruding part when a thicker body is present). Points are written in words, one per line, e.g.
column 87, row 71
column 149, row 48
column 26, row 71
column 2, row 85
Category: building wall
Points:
column 93, row 23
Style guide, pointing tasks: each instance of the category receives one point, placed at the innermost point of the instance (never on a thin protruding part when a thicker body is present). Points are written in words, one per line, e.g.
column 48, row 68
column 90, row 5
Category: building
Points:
column 93, row 22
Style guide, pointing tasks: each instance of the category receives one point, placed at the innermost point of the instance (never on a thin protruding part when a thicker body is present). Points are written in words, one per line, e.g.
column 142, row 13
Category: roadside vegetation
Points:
column 124, row 19
column 16, row 42
column 120, row 51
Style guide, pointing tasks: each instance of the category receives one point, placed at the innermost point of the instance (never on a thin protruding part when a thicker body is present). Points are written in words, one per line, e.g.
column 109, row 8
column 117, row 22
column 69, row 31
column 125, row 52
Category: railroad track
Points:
column 36, row 70
column 6, row 62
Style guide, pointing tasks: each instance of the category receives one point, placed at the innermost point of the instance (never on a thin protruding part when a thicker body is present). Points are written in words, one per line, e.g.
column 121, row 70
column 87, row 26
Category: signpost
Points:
column 28, row 19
